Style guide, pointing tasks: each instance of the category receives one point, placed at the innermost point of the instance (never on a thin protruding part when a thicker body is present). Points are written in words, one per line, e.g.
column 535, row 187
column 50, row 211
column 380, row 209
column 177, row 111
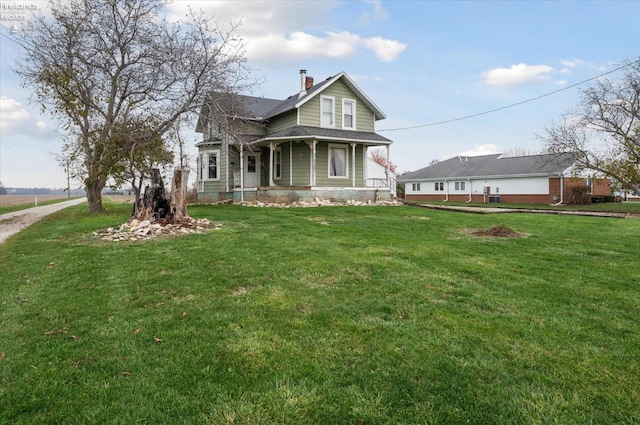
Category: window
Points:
column 208, row 169
column 460, row 185
column 251, row 163
column 338, row 160
column 415, row 187
column 349, row 114
column 439, row 186
column 327, row 111
column 277, row 166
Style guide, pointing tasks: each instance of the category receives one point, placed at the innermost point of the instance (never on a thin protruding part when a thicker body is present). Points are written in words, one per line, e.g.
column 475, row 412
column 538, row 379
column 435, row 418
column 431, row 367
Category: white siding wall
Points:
column 506, row 186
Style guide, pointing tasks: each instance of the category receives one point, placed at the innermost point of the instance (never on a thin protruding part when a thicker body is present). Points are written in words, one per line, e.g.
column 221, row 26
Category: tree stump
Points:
column 154, row 205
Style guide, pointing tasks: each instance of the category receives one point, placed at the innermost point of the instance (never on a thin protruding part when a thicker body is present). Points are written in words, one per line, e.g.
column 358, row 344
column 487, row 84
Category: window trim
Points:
column 352, row 102
column 333, row 111
column 344, row 147
column 439, row 186
column 277, row 163
column 415, row 187
column 204, row 165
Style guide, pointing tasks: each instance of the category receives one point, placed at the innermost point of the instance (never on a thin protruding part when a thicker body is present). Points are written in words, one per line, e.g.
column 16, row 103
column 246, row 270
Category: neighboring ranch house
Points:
column 539, row 179
column 313, row 144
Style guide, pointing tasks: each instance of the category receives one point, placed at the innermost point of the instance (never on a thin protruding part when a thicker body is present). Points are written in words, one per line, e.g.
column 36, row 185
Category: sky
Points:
column 426, row 64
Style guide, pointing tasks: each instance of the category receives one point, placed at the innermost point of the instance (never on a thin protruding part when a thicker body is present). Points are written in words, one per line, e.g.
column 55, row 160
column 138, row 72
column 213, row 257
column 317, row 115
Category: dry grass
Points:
column 496, row 231
column 13, row 200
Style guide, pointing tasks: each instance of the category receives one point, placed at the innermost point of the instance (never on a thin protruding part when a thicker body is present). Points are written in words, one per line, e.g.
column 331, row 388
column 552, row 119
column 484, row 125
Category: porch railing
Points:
column 374, row 182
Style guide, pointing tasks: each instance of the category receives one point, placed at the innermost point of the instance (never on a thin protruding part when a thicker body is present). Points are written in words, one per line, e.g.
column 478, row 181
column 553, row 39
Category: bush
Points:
column 578, row 195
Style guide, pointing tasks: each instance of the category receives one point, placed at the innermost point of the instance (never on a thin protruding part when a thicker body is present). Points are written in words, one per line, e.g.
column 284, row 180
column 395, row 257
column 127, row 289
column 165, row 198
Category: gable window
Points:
column 415, row 187
column 327, row 111
column 338, row 160
column 277, row 163
column 208, row 169
column 349, row 114
column 439, row 186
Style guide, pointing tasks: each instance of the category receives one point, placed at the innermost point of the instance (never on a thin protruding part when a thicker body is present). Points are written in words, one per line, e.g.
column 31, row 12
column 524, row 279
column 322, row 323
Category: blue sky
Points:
column 421, row 62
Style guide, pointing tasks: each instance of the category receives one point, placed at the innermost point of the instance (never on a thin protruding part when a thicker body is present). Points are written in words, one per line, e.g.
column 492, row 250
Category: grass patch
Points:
column 360, row 315
column 630, row 207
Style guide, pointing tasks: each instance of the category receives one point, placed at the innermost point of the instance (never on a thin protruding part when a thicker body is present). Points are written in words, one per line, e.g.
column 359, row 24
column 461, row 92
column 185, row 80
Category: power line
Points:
column 513, row 104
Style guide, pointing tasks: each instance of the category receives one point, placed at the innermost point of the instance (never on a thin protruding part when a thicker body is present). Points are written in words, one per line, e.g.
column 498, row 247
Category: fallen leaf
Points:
column 110, row 318
column 3, row 355
column 50, row 333
column 50, row 265
column 137, row 331
column 156, row 339
column 126, row 373
column 184, row 314
column 72, row 337
column 159, row 304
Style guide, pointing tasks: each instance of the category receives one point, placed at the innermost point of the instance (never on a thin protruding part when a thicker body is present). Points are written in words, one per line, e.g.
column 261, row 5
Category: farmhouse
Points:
column 494, row 178
column 311, row 144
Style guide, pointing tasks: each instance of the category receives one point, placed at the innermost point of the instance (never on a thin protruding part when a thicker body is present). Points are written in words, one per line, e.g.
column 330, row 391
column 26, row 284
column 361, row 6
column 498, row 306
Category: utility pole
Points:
column 68, row 184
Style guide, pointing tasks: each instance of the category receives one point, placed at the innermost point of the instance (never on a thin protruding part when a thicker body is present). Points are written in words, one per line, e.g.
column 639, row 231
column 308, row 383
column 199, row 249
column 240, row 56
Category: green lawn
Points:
column 335, row 315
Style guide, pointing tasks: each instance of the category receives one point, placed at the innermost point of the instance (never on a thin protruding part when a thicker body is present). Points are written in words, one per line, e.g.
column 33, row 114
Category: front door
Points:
column 251, row 171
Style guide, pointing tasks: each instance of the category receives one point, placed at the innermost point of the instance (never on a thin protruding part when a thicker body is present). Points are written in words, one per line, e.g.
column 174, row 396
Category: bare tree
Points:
column 604, row 129
column 101, row 65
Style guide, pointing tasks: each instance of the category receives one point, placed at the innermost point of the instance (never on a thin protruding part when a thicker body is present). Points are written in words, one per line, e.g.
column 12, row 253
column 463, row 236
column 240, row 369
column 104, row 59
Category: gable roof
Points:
column 261, row 108
column 494, row 166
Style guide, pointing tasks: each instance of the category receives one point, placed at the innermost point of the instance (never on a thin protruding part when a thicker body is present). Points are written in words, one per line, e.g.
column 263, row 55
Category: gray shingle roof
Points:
column 306, row 132
column 493, row 166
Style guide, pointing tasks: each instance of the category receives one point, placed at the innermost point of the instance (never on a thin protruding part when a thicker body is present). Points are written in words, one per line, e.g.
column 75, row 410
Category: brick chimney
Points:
column 308, row 83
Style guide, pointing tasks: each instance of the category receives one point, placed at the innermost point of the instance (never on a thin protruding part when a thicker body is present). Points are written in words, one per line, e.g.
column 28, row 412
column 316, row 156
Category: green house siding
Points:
column 300, row 163
column 283, row 121
column 310, row 111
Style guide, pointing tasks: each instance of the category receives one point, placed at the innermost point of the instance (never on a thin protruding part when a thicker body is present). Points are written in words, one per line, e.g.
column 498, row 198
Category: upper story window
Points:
column 338, row 160
column 349, row 114
column 327, row 111
column 208, row 167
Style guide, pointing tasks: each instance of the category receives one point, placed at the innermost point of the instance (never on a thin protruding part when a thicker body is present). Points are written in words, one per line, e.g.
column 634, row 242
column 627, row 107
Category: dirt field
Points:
column 11, row 200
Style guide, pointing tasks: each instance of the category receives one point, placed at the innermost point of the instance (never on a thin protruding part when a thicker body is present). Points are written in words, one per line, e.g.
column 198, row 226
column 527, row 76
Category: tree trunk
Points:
column 179, row 194
column 154, row 205
column 94, row 187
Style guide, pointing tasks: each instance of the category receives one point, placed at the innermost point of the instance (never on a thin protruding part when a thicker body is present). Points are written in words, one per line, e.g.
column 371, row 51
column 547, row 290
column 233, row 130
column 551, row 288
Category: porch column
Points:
column 290, row 162
column 312, row 163
column 387, row 169
column 271, row 149
column 353, row 164
column 241, row 172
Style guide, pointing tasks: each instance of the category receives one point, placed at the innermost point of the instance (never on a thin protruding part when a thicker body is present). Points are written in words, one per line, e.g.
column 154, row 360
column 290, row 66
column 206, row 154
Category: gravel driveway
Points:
column 13, row 222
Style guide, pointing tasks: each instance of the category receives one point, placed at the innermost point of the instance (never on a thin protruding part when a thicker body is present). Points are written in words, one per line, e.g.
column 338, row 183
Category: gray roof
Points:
column 262, row 108
column 306, row 132
column 494, row 166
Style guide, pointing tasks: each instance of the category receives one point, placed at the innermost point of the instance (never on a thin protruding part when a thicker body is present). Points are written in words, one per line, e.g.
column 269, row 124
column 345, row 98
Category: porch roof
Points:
column 306, row 133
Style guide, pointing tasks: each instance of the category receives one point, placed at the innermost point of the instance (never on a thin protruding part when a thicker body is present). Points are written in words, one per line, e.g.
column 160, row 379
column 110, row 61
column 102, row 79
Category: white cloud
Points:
column 288, row 31
column 16, row 120
column 517, row 75
column 477, row 150
column 386, row 50
column 377, row 12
